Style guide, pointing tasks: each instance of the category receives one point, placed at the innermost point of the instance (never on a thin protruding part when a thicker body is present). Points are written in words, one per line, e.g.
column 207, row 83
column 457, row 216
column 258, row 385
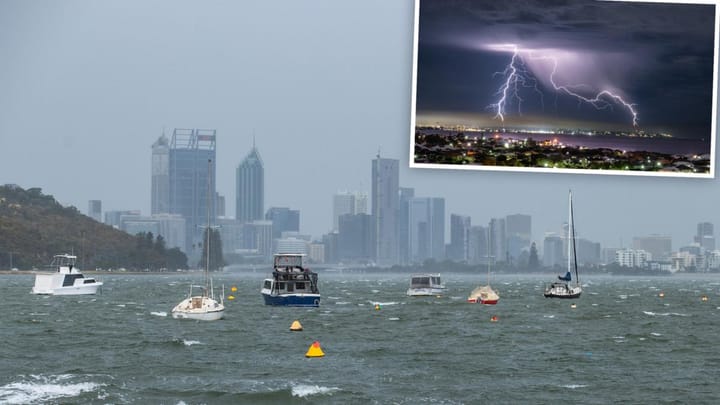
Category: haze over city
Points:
column 88, row 87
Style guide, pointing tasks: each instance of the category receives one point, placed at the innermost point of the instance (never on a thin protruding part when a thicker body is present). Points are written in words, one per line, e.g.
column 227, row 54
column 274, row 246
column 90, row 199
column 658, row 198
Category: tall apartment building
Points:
column 385, row 207
column 160, row 176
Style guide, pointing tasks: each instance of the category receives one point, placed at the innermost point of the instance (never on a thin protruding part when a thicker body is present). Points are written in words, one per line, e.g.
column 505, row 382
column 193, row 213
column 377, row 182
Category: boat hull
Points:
column 199, row 316
column 292, row 300
column 424, row 292
column 563, row 291
column 199, row 308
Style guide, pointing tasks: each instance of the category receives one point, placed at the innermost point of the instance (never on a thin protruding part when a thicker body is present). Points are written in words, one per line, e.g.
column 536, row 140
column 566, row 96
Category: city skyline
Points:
column 80, row 112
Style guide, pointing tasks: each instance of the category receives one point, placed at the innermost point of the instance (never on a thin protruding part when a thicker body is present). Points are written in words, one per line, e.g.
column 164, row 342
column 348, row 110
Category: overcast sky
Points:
column 86, row 87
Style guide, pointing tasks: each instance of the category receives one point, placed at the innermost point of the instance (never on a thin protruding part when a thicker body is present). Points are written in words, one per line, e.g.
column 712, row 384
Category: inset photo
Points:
column 583, row 86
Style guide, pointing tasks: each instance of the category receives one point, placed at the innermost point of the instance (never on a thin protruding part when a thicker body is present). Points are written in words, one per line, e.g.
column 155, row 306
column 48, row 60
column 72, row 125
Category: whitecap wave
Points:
column 191, row 342
column 664, row 313
column 393, row 319
column 655, row 334
column 161, row 313
column 303, row 391
column 574, row 386
column 341, row 303
column 35, row 389
column 383, row 303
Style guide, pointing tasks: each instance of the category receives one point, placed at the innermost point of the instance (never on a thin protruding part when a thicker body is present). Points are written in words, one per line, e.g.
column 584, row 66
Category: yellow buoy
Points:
column 494, row 318
column 296, row 326
column 377, row 307
column 315, row 350
column 704, row 298
column 233, row 289
column 231, row 297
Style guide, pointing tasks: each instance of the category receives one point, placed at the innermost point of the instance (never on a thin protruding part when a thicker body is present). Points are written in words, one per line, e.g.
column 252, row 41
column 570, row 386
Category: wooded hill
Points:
column 34, row 227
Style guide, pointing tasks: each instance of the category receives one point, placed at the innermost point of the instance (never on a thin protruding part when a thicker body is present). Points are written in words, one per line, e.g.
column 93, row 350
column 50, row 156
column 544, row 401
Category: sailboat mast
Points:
column 207, row 231
column 571, row 231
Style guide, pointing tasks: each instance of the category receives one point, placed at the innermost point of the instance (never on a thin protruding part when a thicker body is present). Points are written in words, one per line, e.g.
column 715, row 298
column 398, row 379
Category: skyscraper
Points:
column 95, row 210
column 385, row 205
column 348, row 203
column 283, row 219
column 192, row 165
column 160, row 180
column 705, row 236
column 498, row 245
column 426, row 219
column 459, row 247
column 518, row 232
column 406, row 193
column 250, row 188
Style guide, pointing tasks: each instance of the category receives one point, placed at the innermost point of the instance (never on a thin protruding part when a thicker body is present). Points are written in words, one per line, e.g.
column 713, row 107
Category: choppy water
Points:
column 622, row 344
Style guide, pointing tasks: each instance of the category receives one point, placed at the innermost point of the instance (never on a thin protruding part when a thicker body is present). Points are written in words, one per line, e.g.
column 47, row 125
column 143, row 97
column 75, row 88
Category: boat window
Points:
column 421, row 281
column 436, row 280
column 281, row 286
column 70, row 279
column 89, row 281
column 300, row 286
column 268, row 284
column 290, row 286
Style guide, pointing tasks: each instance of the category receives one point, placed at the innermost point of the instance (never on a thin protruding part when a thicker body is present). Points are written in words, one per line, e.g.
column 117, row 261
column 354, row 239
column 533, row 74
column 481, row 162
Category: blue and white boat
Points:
column 292, row 284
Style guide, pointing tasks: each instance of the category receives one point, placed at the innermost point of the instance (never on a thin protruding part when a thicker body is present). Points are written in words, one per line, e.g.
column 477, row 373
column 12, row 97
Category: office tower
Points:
column 705, row 236
column 426, row 220
column 250, row 188
column 478, row 245
column 192, row 166
column 385, row 207
column 355, row 238
column 219, row 205
column 114, row 218
column 95, row 210
column 498, row 247
column 406, row 193
column 346, row 202
column 160, row 180
column 459, row 247
column 518, row 231
column 659, row 246
column 553, row 250
column 283, row 220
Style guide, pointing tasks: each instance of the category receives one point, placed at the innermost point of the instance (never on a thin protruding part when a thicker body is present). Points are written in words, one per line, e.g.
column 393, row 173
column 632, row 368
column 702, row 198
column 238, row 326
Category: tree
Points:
column 216, row 255
column 533, row 262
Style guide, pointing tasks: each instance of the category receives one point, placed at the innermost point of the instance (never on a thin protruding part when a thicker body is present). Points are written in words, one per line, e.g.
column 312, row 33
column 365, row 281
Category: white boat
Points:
column 202, row 306
column 563, row 288
column 65, row 280
column 425, row 285
column 485, row 294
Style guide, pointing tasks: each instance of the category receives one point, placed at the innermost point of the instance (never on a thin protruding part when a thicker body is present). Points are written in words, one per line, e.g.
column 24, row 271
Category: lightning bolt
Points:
column 517, row 75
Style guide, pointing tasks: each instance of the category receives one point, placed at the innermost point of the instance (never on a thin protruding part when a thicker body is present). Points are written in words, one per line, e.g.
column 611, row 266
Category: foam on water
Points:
column 393, row 319
column 383, row 304
column 191, row 342
column 303, row 391
column 663, row 314
column 573, row 386
column 34, row 389
column 161, row 313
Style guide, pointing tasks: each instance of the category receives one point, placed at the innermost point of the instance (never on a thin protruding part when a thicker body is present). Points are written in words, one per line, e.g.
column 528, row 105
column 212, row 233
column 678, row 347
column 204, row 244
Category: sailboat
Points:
column 203, row 306
column 485, row 294
column 563, row 288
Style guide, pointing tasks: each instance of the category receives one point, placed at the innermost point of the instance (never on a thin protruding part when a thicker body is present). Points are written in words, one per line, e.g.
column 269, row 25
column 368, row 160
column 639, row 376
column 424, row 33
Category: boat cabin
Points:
column 425, row 281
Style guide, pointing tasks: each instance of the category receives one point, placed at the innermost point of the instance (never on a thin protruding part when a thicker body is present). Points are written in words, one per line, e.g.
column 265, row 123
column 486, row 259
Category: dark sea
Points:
column 623, row 343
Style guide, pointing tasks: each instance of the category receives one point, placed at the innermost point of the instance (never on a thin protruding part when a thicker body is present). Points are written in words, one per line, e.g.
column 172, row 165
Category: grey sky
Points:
column 86, row 87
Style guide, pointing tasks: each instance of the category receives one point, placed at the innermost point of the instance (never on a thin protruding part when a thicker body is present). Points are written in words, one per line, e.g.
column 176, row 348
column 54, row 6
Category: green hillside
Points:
column 34, row 227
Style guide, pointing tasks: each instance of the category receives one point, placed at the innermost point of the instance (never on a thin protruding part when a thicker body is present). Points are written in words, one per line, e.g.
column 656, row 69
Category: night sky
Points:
column 657, row 56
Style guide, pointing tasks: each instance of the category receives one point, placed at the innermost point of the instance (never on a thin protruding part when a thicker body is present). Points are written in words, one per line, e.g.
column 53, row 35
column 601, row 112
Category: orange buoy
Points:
column 315, row 350
column 494, row 319
column 233, row 289
column 296, row 326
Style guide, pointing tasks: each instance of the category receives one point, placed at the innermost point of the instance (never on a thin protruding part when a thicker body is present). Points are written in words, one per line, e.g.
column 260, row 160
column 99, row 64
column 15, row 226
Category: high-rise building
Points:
column 705, row 236
column 659, row 246
column 385, row 207
column 283, row 220
column 518, row 231
column 250, row 188
column 160, row 180
column 406, row 193
column 355, row 238
column 459, row 247
column 346, row 202
column 498, row 246
column 478, row 245
column 588, row 252
column 426, row 228
column 192, row 166
column 553, row 250
column 95, row 210
column 632, row 257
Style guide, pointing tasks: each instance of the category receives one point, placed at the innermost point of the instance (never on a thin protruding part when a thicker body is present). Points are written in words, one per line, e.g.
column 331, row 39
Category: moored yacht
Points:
column 292, row 284
column 65, row 280
column 425, row 285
